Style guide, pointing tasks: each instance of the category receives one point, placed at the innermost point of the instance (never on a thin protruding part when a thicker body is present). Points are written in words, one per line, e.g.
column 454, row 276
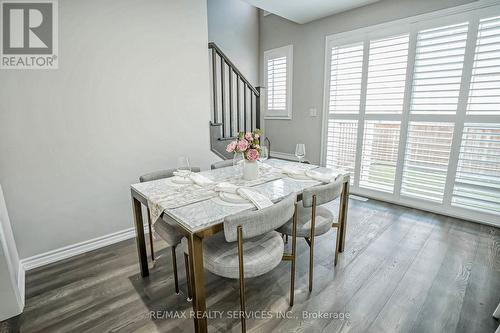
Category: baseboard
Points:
column 76, row 249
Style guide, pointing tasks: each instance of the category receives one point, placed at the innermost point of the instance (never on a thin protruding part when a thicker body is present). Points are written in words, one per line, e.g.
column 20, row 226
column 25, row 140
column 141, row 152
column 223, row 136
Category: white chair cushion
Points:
column 260, row 254
column 324, row 220
column 168, row 233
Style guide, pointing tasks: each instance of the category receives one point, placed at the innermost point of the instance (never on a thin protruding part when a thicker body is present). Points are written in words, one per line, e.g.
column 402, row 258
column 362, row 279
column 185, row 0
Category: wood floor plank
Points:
column 483, row 290
column 442, row 306
column 369, row 300
column 398, row 314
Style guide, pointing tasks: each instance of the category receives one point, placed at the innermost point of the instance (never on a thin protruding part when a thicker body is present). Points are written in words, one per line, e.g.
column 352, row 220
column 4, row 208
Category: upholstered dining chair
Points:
column 315, row 220
column 168, row 233
column 250, row 246
column 221, row 164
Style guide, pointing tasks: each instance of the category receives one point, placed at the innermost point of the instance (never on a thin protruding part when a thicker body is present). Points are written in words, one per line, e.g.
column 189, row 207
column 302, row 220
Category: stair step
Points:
column 227, row 138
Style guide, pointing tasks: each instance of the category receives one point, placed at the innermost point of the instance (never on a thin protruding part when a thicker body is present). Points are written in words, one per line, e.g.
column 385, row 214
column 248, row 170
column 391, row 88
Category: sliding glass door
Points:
column 413, row 112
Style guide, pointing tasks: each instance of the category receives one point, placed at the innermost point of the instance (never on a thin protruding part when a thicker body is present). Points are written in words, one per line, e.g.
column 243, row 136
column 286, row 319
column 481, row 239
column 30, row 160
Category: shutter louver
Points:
column 387, row 75
column 484, row 93
column 477, row 182
column 380, row 155
column 342, row 135
column 277, row 84
column 426, row 160
column 438, row 69
column 345, row 78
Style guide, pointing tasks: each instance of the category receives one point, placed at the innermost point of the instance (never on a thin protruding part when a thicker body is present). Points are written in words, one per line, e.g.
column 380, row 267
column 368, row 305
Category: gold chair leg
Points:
column 311, row 244
column 294, row 248
column 151, row 238
column 242, row 279
column 337, row 247
column 286, row 239
column 188, row 277
column 174, row 264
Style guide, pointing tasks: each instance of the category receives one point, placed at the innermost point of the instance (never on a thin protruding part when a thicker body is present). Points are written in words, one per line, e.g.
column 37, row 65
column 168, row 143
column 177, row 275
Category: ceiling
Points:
column 303, row 11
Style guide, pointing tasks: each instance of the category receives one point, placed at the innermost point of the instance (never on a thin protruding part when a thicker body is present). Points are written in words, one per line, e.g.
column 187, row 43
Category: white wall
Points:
column 130, row 95
column 11, row 292
column 234, row 26
column 309, row 61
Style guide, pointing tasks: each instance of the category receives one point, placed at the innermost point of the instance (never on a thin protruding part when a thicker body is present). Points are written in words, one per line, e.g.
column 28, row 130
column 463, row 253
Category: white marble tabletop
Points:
column 212, row 210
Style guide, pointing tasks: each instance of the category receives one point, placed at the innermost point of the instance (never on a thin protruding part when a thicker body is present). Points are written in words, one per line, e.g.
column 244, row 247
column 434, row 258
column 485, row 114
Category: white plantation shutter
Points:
column 385, row 91
column 342, row 136
column 426, row 160
column 484, row 94
column 345, row 78
column 477, row 182
column 278, row 81
column 438, row 69
column 380, row 155
column 387, row 75
column 412, row 110
column 276, row 84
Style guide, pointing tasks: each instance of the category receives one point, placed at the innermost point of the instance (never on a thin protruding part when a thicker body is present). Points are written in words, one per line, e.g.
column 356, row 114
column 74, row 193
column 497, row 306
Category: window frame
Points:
column 472, row 13
column 284, row 51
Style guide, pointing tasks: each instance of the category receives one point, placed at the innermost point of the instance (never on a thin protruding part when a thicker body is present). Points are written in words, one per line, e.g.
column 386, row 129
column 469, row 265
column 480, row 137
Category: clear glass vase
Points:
column 238, row 160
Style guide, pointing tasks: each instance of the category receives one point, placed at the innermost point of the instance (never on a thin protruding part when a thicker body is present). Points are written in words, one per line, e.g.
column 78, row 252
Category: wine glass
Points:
column 300, row 151
column 183, row 166
column 264, row 154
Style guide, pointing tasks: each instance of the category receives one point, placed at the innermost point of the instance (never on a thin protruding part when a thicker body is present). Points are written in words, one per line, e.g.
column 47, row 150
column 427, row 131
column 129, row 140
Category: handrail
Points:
column 214, row 46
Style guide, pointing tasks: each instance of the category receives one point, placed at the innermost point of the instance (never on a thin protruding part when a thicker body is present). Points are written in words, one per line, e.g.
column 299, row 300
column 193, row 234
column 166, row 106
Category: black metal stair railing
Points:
column 235, row 102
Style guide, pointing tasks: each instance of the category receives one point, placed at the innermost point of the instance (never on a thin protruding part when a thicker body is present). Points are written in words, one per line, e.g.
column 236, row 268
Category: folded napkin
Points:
column 259, row 200
column 226, row 187
column 200, row 179
column 324, row 177
column 195, row 178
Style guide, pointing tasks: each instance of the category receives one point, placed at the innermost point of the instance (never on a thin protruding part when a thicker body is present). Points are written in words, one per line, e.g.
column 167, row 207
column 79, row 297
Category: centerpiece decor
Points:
column 247, row 144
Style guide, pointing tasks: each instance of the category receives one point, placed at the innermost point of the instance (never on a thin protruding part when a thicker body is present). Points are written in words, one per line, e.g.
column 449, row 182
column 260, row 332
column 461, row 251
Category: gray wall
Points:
column 234, row 26
column 130, row 95
column 309, row 57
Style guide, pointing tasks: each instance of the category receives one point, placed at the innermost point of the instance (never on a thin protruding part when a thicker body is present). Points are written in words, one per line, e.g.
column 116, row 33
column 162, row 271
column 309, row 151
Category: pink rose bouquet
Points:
column 247, row 143
column 252, row 154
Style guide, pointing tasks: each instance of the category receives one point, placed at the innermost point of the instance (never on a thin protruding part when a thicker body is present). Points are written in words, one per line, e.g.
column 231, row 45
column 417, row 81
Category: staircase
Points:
column 235, row 102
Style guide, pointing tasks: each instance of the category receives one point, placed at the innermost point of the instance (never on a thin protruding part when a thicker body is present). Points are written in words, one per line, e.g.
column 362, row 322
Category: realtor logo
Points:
column 29, row 35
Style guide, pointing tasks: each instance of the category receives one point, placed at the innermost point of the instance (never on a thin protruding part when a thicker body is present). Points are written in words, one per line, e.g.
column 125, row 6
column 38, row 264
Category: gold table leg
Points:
column 344, row 203
column 198, row 283
column 141, row 242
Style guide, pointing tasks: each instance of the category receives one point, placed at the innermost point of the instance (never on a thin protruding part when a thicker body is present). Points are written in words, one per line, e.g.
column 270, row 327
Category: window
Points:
column 278, row 64
column 345, row 87
column 426, row 162
column 342, row 136
column 380, row 155
column 412, row 111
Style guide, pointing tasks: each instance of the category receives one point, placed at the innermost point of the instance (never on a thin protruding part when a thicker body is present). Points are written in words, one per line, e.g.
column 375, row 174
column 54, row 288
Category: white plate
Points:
column 232, row 198
column 181, row 180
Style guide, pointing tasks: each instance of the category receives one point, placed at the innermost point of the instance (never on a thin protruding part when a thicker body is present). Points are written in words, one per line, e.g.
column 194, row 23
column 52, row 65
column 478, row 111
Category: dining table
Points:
column 198, row 212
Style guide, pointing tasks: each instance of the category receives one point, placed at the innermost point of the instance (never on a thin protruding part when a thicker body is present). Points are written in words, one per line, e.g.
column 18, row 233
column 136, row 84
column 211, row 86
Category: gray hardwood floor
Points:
column 403, row 270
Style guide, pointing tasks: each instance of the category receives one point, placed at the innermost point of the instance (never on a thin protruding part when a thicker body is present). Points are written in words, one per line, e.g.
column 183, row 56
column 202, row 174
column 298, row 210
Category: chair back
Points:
column 259, row 222
column 324, row 193
column 167, row 173
column 221, row 164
